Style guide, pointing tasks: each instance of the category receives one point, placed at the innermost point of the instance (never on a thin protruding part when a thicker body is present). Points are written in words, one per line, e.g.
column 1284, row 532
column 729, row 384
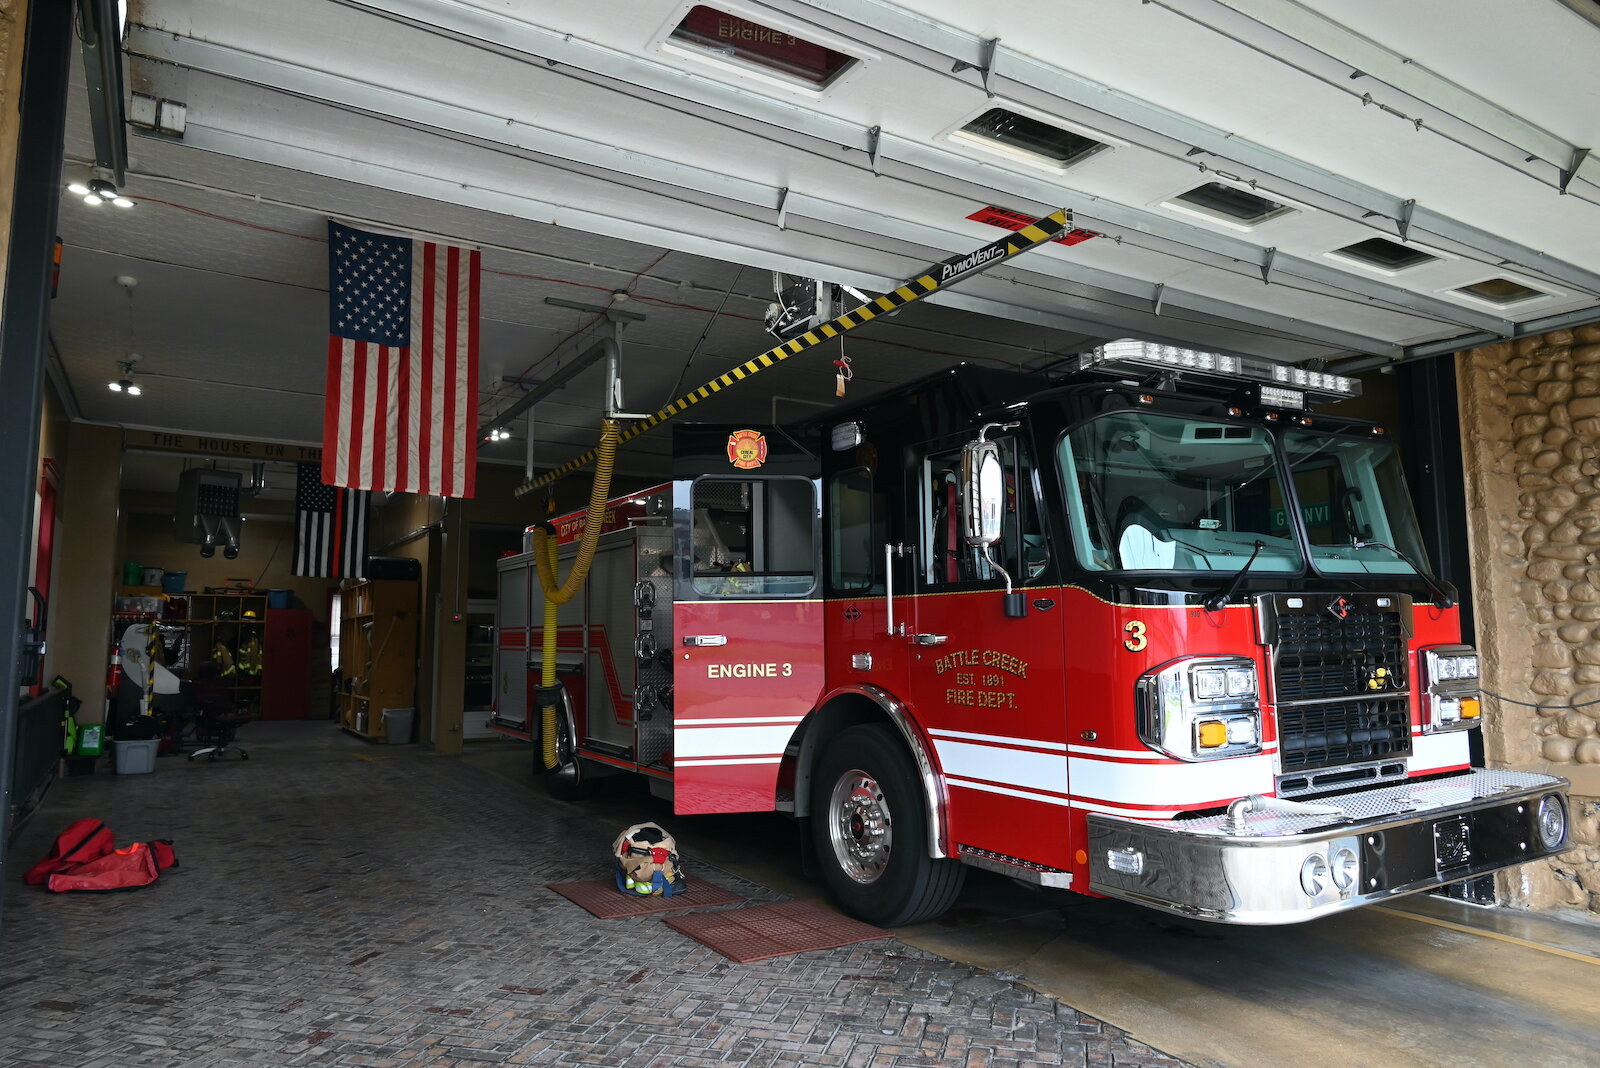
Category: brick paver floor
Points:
column 341, row 904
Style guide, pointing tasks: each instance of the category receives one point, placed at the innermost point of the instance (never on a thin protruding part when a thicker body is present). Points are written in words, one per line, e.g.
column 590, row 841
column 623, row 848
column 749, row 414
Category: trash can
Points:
column 397, row 724
column 134, row 756
column 280, row 598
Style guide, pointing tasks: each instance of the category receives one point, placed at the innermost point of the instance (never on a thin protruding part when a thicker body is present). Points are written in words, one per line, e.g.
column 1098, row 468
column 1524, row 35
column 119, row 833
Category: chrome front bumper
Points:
column 1271, row 867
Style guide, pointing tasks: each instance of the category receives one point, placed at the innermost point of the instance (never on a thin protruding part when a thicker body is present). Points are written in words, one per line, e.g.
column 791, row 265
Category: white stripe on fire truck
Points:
column 1132, row 813
column 1139, row 754
column 681, row 763
column 736, row 721
column 995, row 739
column 992, row 788
column 1447, row 750
column 1003, row 765
column 748, row 740
column 1184, row 784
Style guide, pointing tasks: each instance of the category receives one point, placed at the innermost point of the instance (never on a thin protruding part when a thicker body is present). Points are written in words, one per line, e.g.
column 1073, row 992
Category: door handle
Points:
column 930, row 639
column 705, row 639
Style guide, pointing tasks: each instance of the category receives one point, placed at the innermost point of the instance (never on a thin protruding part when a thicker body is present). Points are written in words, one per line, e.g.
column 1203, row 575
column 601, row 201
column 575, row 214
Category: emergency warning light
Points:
column 1142, row 357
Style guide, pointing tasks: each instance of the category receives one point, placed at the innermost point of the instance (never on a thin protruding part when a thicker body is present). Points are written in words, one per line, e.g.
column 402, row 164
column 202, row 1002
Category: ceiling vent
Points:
column 1030, row 139
column 1384, row 254
column 1229, row 204
column 1500, row 291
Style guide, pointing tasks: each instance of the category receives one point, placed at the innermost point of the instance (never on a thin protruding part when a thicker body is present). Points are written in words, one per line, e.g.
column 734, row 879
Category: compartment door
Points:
column 747, row 622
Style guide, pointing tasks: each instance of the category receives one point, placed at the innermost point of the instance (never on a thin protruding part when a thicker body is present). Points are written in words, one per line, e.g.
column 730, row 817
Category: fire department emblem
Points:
column 747, row 449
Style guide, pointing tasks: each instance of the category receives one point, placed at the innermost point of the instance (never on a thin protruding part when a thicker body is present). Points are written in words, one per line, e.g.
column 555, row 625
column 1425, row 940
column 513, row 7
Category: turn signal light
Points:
column 1212, row 733
column 1471, row 708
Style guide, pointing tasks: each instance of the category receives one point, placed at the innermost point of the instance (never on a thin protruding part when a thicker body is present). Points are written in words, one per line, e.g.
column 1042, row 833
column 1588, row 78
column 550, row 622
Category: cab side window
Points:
column 753, row 538
column 945, row 558
column 856, row 532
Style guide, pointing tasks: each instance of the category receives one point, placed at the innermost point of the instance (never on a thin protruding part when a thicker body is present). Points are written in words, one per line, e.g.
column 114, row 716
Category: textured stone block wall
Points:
column 1531, row 446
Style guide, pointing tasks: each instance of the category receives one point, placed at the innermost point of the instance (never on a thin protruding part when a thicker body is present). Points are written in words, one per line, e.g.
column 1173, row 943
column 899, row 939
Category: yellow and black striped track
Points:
column 937, row 276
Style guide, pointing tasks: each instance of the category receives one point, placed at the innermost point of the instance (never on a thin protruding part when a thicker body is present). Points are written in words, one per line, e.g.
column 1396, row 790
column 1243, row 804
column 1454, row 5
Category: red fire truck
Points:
column 1154, row 630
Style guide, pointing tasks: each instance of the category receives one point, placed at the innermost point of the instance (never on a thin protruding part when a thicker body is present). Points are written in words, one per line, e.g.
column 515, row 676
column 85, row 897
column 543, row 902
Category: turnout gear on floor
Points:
column 646, row 861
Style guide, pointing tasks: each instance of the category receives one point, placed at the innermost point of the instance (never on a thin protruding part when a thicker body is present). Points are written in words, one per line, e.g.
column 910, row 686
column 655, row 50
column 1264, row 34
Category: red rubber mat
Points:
column 776, row 930
column 601, row 897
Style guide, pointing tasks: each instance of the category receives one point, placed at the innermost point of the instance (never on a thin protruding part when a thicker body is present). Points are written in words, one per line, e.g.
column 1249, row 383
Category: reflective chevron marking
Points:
column 932, row 279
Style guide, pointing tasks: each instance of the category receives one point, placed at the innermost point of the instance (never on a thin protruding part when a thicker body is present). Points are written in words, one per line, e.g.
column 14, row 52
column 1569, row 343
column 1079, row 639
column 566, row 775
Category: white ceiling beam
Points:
column 277, row 153
column 470, row 24
column 1024, row 69
column 379, row 101
column 1365, row 56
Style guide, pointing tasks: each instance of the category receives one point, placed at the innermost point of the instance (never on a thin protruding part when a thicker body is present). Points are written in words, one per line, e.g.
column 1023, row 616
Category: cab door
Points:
column 747, row 613
column 988, row 684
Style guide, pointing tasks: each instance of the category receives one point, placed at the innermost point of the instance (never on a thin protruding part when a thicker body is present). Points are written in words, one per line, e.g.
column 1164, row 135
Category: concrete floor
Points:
column 348, row 904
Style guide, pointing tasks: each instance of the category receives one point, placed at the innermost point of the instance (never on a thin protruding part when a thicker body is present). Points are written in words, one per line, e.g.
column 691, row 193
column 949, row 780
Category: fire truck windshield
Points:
column 1157, row 492
column 1354, row 503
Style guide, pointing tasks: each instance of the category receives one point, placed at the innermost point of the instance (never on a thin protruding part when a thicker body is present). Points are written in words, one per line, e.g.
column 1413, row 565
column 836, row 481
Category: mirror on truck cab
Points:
column 983, row 505
column 983, row 493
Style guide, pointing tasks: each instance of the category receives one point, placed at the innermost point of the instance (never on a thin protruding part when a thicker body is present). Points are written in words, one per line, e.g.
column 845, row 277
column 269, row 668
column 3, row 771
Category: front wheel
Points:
column 870, row 830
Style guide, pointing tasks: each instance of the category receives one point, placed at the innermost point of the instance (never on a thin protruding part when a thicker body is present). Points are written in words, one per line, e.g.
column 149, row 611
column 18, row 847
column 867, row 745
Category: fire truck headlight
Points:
column 1449, row 688
column 1209, row 683
column 1200, row 708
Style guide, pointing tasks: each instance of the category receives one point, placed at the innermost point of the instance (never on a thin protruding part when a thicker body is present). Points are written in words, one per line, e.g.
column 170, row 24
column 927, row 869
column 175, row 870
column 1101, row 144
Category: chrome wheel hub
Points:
column 859, row 826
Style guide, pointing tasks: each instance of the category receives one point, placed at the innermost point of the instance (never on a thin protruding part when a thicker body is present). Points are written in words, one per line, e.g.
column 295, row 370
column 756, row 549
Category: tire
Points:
column 569, row 780
column 869, row 827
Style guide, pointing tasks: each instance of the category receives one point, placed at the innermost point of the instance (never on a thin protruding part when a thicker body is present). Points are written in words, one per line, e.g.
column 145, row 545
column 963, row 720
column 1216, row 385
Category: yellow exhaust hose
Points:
column 546, row 560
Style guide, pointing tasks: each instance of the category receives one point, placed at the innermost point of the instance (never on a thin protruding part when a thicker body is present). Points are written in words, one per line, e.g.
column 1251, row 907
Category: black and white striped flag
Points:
column 330, row 527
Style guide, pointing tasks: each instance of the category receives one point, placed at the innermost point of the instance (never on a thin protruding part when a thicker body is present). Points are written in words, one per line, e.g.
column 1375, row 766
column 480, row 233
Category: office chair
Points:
column 216, row 718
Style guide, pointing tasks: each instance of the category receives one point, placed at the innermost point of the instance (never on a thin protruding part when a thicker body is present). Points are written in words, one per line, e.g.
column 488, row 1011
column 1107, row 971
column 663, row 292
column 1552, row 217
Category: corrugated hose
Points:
column 546, row 558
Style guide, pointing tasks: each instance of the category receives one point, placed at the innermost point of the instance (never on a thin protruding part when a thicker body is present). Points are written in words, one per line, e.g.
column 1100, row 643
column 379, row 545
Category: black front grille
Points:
column 1343, row 732
column 1321, row 655
column 1339, row 680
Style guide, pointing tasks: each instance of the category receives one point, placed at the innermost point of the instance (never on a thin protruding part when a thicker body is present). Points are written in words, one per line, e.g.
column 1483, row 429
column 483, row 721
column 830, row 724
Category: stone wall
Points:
column 1531, row 447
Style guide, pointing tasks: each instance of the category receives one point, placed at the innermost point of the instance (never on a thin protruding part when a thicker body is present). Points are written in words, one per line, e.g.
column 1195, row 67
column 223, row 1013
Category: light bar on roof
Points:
column 1128, row 354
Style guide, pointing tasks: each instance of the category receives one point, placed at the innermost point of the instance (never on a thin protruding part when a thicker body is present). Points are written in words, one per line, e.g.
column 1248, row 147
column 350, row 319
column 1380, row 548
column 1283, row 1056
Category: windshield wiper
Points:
column 1215, row 602
column 1441, row 599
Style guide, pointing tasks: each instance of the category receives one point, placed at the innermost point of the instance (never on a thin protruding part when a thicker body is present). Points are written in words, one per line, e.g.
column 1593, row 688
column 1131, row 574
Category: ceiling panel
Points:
column 591, row 164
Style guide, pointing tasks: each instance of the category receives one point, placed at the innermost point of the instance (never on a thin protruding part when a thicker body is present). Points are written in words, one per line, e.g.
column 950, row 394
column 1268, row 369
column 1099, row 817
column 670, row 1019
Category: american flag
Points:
column 330, row 527
column 402, row 400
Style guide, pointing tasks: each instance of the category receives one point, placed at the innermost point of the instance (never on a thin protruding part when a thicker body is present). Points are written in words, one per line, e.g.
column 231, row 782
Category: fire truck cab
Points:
column 1155, row 630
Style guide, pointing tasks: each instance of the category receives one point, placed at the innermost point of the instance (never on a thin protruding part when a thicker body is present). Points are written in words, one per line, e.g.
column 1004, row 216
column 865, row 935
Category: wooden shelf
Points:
column 377, row 652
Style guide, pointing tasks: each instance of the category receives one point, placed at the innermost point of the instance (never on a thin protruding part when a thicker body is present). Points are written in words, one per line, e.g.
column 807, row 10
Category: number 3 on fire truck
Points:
column 1136, row 640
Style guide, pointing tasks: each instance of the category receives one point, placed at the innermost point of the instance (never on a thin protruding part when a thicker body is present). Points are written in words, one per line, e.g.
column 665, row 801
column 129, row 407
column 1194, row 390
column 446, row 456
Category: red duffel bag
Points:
column 84, row 857
column 83, row 840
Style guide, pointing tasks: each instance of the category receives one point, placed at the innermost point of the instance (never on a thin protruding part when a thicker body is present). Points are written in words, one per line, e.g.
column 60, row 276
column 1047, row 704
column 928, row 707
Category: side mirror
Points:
column 983, row 493
column 983, row 505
